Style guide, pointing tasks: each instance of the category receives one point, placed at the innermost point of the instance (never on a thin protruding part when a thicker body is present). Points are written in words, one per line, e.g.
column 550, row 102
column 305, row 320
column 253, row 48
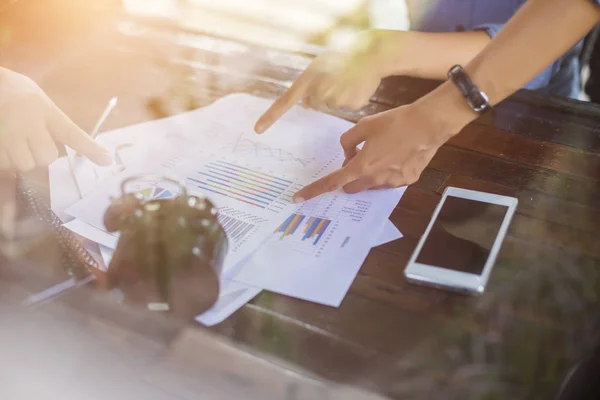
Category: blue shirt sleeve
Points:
column 543, row 78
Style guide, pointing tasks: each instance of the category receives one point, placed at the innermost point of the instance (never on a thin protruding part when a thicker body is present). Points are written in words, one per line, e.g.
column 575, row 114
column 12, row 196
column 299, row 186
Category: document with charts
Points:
column 312, row 250
column 317, row 248
column 128, row 144
column 246, row 225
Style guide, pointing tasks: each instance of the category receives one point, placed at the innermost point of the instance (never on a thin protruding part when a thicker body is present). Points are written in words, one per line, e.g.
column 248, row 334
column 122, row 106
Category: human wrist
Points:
column 448, row 108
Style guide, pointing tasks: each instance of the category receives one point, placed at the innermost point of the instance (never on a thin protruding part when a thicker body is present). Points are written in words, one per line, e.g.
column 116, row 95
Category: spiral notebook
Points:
column 72, row 261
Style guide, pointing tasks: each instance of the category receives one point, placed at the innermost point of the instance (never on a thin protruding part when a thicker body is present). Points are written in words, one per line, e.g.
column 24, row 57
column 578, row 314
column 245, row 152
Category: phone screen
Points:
column 462, row 235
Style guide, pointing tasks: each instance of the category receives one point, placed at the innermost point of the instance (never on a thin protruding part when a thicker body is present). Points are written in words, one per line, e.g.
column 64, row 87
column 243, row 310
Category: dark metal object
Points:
column 582, row 382
column 165, row 244
column 476, row 99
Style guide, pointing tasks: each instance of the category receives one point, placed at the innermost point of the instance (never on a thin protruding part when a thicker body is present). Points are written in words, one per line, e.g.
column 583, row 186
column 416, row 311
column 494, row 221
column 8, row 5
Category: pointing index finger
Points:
column 329, row 183
column 286, row 101
column 68, row 133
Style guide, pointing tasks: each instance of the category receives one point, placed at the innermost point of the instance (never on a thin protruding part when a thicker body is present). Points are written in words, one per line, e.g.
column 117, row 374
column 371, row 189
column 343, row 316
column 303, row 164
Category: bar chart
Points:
column 240, row 183
column 239, row 225
column 304, row 234
column 235, row 229
column 314, row 227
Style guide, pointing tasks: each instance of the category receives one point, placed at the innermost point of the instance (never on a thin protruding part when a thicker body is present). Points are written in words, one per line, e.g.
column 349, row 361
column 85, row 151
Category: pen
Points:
column 109, row 107
column 111, row 104
column 57, row 290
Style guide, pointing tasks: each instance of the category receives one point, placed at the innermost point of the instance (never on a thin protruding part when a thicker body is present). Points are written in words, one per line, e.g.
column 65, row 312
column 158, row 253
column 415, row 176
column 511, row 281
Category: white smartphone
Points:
column 461, row 242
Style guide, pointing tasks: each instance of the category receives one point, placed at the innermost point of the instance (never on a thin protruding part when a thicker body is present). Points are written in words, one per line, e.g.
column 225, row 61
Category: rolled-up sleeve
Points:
column 544, row 77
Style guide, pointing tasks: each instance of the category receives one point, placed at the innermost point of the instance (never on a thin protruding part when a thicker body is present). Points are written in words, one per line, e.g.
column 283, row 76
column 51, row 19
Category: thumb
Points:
column 65, row 131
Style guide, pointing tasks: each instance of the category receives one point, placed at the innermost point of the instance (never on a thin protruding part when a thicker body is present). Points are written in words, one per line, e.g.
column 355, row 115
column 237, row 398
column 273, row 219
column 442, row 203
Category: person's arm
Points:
column 539, row 33
column 398, row 144
column 535, row 36
column 429, row 55
column 349, row 77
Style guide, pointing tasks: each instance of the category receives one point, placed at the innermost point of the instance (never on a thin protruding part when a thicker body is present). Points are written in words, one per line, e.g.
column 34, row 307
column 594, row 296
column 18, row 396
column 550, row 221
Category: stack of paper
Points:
column 311, row 251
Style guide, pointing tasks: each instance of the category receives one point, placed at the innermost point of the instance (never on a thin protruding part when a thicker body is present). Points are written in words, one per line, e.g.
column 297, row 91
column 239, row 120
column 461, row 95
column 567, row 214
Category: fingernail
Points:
column 298, row 199
column 258, row 128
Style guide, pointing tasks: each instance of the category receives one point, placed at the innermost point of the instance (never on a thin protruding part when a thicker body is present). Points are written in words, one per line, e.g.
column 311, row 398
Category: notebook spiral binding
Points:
column 76, row 260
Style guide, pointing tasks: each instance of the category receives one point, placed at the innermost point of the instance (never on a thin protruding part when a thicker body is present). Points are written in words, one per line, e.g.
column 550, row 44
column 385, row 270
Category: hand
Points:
column 343, row 78
column 398, row 145
column 31, row 126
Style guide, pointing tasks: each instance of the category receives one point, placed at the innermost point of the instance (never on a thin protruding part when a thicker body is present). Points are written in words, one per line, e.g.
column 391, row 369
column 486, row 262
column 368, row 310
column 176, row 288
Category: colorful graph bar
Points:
column 240, row 183
column 234, row 228
column 314, row 227
column 290, row 225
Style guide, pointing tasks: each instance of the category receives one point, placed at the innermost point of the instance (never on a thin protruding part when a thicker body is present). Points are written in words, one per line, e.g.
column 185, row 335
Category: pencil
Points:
column 111, row 104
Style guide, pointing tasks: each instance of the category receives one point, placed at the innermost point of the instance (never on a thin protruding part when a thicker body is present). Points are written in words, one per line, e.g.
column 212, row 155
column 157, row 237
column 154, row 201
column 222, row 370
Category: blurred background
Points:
column 280, row 23
column 307, row 25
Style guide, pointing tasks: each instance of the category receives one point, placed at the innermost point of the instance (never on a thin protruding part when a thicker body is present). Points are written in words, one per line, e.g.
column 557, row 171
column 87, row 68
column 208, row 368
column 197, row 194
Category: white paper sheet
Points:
column 107, row 254
column 72, row 177
column 389, row 233
column 251, row 179
column 127, row 145
column 99, row 236
column 320, row 273
column 63, row 188
column 232, row 297
column 235, row 295
column 329, row 237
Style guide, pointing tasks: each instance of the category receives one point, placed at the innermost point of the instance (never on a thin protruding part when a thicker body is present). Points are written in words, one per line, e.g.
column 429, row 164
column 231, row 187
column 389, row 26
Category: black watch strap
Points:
column 476, row 99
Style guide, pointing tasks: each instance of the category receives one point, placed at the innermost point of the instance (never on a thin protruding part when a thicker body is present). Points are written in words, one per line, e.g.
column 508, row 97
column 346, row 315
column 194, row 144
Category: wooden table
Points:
column 537, row 318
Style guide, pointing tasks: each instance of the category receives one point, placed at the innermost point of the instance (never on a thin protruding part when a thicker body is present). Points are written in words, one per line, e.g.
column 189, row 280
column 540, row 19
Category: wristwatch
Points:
column 476, row 99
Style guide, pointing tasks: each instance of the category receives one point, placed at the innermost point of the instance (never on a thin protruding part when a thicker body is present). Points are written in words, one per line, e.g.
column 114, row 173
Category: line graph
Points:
column 246, row 148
